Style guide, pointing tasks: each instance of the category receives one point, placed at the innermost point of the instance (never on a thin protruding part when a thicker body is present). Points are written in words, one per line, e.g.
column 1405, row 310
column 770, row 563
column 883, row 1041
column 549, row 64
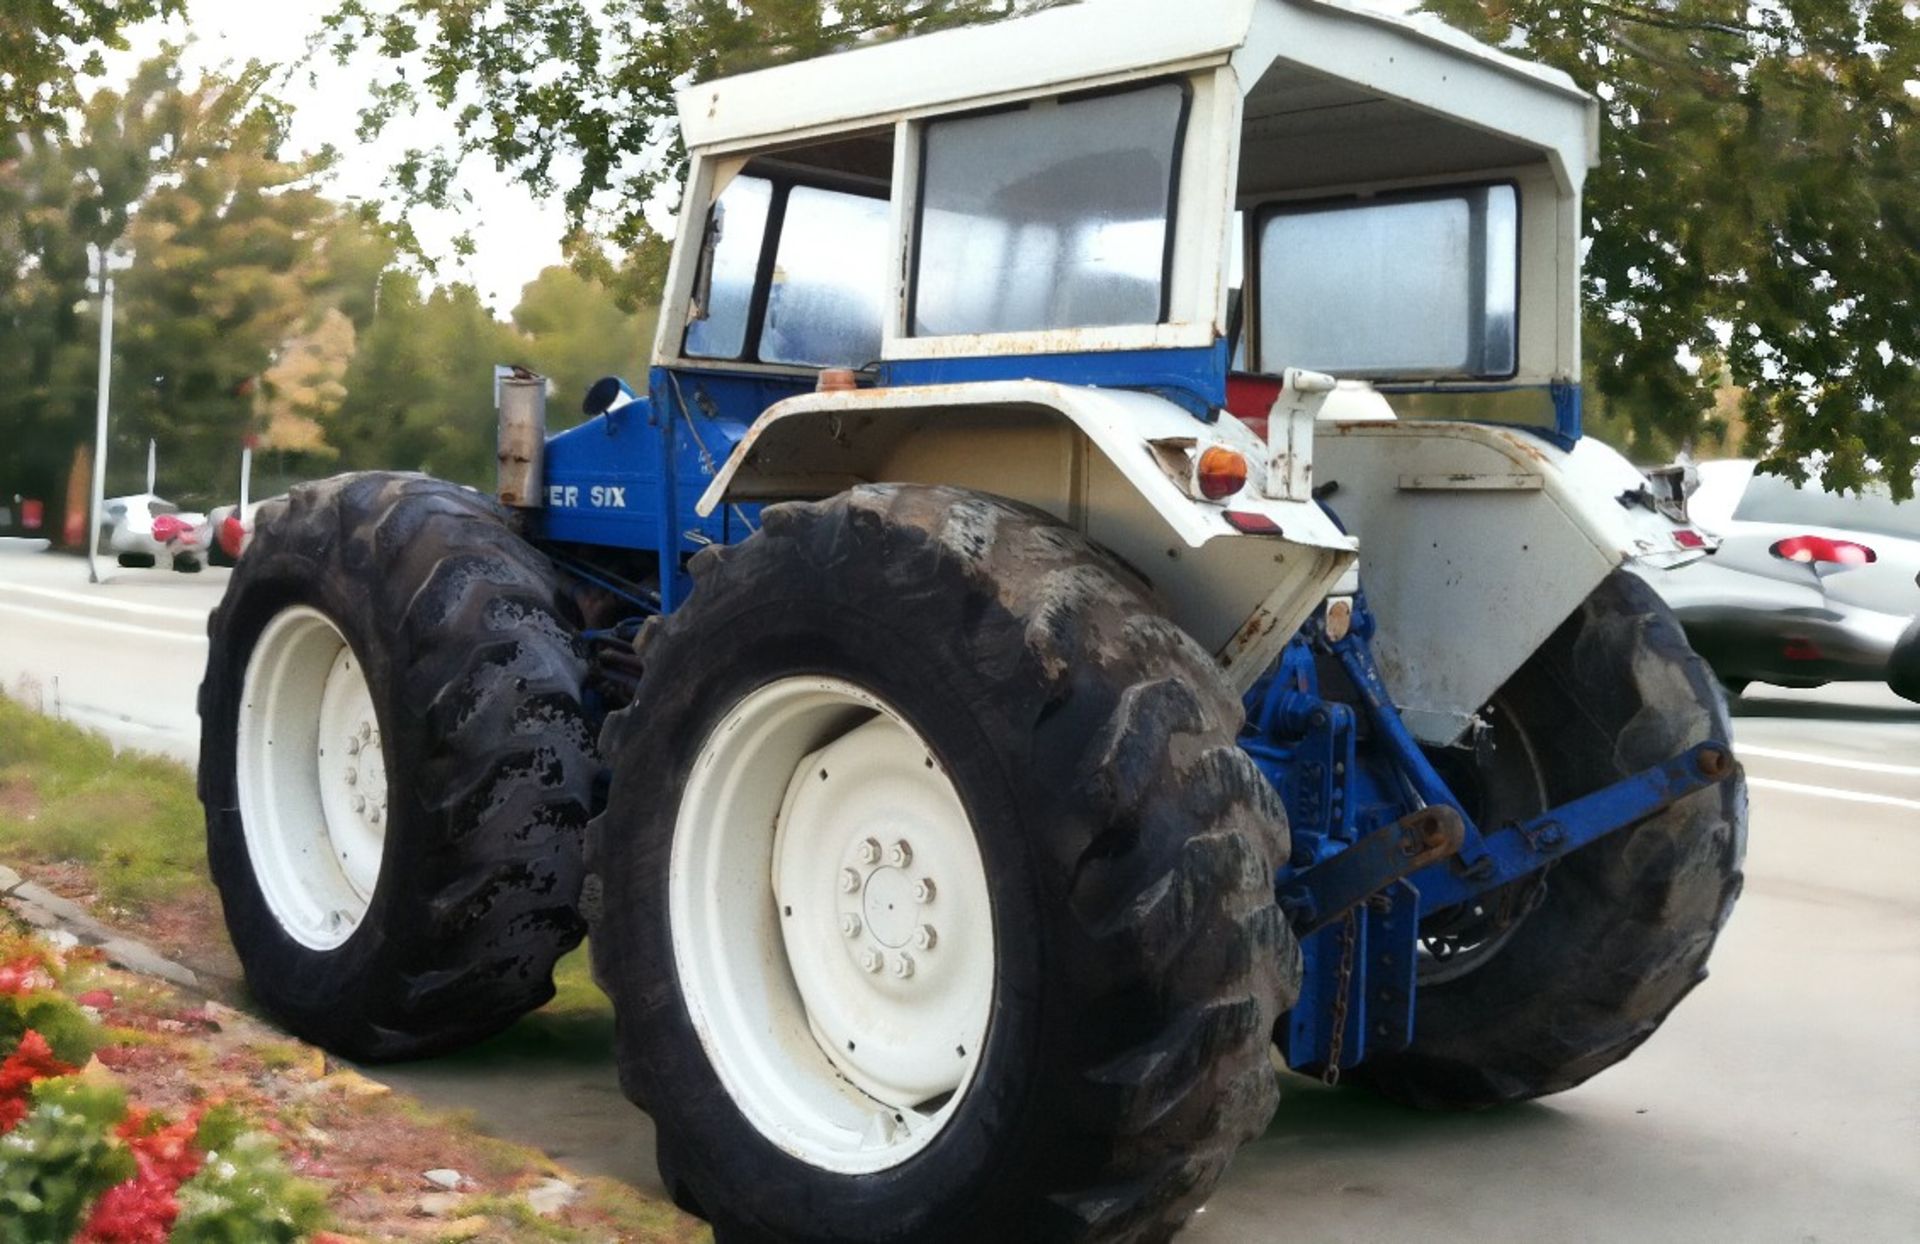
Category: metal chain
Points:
column 1349, row 936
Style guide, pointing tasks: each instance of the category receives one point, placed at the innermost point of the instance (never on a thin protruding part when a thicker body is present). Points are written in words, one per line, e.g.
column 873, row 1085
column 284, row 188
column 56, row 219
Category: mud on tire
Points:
column 475, row 674
column 1623, row 927
column 1127, row 842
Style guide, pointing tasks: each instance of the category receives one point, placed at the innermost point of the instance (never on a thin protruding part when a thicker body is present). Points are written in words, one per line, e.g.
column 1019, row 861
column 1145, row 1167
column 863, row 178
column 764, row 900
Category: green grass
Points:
column 135, row 823
column 132, row 820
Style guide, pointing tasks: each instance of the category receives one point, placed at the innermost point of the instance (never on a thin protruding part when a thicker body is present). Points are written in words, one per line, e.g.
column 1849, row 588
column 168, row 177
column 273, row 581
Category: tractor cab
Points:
column 1141, row 196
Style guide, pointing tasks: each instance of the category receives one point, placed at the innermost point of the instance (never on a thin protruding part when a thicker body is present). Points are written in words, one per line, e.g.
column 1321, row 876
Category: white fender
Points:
column 1476, row 542
column 1241, row 595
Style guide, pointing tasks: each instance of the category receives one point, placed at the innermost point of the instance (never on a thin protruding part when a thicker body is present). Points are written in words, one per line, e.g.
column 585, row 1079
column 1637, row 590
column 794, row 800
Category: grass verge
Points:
column 132, row 821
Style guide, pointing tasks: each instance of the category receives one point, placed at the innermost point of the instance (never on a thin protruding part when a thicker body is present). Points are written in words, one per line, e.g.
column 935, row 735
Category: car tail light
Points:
column 1688, row 538
column 233, row 534
column 167, row 528
column 1822, row 549
column 1220, row 473
column 1802, row 650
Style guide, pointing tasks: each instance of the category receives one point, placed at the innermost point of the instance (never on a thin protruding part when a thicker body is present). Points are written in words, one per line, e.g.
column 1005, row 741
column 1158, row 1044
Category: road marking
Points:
column 108, row 602
column 125, row 628
column 1832, row 762
column 1831, row 792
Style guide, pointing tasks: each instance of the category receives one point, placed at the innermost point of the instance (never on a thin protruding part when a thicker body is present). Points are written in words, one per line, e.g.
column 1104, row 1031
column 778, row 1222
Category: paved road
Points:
column 1781, row 1103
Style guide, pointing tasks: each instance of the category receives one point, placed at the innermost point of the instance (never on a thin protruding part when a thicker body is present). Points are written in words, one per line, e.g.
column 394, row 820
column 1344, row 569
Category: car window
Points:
column 1776, row 499
column 157, row 508
column 1054, row 215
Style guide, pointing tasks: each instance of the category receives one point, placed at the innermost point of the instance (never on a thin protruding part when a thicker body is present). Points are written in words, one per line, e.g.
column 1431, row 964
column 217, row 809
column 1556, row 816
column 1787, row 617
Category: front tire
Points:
column 395, row 766
column 1536, row 987
column 973, row 681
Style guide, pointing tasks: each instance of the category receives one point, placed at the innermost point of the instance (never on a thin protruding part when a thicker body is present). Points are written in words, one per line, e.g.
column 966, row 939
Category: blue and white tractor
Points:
column 1101, row 592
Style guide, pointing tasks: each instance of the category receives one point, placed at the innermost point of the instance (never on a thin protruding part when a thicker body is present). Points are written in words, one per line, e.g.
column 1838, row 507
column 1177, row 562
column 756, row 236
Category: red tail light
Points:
column 1822, row 549
column 167, row 528
column 232, row 534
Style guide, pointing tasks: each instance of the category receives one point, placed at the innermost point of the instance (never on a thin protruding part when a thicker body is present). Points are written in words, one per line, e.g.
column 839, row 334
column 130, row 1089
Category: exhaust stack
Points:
column 521, row 450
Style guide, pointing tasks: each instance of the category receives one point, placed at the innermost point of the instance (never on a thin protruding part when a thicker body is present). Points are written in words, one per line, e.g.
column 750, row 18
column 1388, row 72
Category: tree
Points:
column 575, row 333
column 228, row 269
column 44, row 44
column 1757, row 210
column 419, row 392
column 575, row 97
column 63, row 188
column 226, row 236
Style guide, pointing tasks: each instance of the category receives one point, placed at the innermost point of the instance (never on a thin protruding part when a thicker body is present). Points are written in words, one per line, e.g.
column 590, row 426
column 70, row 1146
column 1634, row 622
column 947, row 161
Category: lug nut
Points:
column 900, row 855
column 849, row 881
column 850, row 925
column 374, row 814
column 870, row 852
column 353, row 746
column 926, row 937
column 903, row 966
column 870, row 960
column 366, row 731
column 359, row 803
column 923, row 890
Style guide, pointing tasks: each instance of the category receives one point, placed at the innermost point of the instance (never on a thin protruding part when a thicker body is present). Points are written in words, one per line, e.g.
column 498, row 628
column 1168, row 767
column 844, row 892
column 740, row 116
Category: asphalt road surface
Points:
column 1781, row 1102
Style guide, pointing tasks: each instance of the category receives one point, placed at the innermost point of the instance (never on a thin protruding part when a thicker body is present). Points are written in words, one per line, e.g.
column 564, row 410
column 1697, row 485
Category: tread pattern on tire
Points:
column 1628, row 922
column 1163, row 853
column 462, row 630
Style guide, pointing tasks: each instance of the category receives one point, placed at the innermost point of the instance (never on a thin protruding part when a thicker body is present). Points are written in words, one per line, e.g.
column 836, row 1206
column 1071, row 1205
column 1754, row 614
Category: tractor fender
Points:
column 1111, row 463
column 1478, row 540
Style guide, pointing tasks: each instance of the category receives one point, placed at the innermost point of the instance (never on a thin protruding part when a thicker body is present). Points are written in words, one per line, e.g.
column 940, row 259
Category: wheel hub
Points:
column 816, row 803
column 311, row 776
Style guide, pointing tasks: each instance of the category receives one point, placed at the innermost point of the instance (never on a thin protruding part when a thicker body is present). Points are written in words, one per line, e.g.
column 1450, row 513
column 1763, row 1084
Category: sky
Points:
column 516, row 235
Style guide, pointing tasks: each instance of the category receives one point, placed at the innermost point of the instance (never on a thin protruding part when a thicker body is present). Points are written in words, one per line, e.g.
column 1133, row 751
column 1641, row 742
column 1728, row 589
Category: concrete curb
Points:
column 43, row 909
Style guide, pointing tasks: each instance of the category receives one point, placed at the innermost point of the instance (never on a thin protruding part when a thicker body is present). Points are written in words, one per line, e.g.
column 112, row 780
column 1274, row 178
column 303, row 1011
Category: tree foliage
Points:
column 1757, row 209
column 225, row 235
column 1754, row 222
column 45, row 44
column 575, row 97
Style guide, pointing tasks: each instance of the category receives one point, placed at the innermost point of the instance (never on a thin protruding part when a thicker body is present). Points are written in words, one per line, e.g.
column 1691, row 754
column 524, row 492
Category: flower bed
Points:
column 81, row 1160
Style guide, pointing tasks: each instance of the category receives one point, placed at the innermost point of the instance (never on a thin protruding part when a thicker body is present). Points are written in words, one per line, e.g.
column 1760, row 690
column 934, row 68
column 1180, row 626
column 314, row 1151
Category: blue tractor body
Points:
column 1379, row 839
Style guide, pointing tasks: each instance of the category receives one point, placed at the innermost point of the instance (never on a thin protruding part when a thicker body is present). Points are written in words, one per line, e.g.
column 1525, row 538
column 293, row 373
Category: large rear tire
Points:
column 1534, row 989
column 395, row 766
column 933, row 676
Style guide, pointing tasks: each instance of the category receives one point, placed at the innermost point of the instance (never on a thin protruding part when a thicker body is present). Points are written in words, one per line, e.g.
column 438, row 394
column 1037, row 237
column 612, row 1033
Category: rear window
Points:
column 1776, row 499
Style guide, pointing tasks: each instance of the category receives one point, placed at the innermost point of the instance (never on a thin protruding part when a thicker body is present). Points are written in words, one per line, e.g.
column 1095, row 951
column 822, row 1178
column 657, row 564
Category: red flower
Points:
column 24, row 975
column 32, row 1060
column 141, row 1210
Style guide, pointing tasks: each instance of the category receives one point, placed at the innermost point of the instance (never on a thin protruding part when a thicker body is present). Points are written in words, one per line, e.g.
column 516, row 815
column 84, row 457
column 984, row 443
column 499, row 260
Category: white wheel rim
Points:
column 832, row 926
column 312, row 778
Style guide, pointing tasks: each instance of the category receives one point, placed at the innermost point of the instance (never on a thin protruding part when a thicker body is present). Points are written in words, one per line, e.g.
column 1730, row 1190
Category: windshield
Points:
column 1776, row 499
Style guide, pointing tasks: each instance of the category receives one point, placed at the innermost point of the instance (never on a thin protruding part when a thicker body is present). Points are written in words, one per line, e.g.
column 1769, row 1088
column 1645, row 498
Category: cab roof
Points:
column 1412, row 60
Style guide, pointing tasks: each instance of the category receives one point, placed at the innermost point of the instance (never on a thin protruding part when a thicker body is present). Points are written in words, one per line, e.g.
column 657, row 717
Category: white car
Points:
column 147, row 530
column 1807, row 587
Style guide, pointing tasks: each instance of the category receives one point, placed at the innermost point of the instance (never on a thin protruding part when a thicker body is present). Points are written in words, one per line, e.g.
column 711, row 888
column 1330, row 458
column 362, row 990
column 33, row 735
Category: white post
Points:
column 98, row 501
column 153, row 463
column 246, row 476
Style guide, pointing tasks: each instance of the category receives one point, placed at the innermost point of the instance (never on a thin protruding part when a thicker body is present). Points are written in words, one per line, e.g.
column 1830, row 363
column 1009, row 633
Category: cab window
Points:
column 792, row 270
column 1057, row 214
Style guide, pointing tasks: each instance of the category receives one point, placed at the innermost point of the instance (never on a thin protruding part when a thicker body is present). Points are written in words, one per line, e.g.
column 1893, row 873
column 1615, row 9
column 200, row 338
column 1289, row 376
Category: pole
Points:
column 99, row 498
